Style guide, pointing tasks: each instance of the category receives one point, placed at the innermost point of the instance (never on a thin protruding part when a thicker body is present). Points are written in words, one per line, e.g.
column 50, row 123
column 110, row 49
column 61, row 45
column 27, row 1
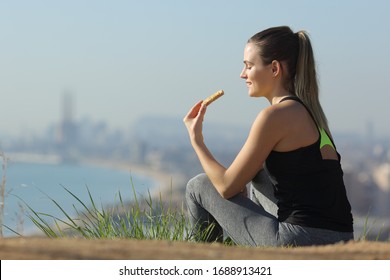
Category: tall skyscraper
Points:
column 68, row 129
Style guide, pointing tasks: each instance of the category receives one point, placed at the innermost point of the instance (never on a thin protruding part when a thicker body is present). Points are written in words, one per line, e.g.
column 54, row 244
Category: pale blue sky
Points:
column 126, row 59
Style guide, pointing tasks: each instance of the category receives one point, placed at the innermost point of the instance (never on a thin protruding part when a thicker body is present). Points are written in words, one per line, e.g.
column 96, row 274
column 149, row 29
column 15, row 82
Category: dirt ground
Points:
column 37, row 248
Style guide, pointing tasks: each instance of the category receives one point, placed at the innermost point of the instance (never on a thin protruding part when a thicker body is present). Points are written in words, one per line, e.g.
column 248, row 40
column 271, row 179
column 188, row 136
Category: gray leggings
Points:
column 249, row 221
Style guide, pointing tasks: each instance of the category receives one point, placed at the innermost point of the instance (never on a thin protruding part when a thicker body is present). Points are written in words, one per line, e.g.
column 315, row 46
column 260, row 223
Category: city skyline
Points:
column 129, row 59
column 67, row 115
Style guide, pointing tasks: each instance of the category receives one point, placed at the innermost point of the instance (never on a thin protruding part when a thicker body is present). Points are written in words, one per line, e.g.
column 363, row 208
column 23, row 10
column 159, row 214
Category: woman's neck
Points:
column 279, row 95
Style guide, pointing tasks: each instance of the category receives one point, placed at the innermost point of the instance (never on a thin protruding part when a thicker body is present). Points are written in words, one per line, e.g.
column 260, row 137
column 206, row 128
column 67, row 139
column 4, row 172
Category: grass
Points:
column 367, row 234
column 146, row 218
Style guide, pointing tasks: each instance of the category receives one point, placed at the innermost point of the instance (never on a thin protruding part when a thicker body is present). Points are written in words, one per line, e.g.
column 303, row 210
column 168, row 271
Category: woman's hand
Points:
column 194, row 122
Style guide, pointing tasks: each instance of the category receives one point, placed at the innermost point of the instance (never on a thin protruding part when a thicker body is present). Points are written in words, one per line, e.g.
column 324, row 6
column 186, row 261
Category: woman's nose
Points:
column 243, row 74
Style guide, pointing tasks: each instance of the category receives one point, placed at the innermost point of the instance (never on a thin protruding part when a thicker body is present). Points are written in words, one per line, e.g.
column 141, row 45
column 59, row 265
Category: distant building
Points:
column 67, row 137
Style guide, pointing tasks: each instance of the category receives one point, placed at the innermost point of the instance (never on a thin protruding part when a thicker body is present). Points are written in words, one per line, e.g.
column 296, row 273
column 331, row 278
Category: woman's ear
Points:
column 276, row 68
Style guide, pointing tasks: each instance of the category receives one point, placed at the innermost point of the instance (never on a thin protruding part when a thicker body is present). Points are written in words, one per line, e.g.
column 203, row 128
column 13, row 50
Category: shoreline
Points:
column 163, row 184
column 159, row 177
column 167, row 187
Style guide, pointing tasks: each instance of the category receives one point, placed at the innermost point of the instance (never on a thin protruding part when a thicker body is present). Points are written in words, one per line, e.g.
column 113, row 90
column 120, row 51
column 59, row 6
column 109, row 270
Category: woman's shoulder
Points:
column 285, row 111
column 285, row 120
column 272, row 122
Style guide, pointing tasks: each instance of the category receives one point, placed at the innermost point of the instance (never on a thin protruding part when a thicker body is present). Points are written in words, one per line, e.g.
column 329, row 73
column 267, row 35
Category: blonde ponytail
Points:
column 306, row 84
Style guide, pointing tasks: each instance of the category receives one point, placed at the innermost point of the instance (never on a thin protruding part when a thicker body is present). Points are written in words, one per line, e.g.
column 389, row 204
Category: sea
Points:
column 41, row 186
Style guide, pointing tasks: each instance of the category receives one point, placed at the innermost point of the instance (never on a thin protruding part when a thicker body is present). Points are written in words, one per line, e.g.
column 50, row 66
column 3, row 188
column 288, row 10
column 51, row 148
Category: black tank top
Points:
column 309, row 189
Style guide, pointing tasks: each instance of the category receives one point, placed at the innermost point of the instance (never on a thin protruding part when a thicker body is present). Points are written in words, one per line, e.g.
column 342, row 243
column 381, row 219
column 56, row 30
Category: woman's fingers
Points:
column 193, row 121
column 194, row 111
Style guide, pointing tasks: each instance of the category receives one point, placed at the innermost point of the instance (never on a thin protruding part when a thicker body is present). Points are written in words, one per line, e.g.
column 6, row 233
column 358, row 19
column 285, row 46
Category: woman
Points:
column 298, row 195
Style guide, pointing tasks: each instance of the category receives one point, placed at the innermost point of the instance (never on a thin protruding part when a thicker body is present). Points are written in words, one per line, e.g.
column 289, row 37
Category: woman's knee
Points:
column 195, row 184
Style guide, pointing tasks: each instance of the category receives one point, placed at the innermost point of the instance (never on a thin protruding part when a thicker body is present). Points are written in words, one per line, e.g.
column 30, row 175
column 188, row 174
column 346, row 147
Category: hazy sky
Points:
column 126, row 59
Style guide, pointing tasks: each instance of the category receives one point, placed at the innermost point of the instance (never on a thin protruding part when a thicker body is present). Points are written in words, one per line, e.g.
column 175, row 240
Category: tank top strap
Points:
column 296, row 98
column 324, row 136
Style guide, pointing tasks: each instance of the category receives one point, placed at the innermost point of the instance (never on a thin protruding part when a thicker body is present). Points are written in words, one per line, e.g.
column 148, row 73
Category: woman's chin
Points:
column 251, row 94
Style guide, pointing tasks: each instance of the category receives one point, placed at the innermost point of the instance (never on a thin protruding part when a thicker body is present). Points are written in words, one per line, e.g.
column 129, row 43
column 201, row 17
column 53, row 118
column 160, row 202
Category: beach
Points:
column 161, row 178
column 167, row 186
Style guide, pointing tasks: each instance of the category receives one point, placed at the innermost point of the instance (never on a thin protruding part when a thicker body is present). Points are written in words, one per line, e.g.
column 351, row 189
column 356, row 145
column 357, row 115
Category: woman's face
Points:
column 256, row 75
